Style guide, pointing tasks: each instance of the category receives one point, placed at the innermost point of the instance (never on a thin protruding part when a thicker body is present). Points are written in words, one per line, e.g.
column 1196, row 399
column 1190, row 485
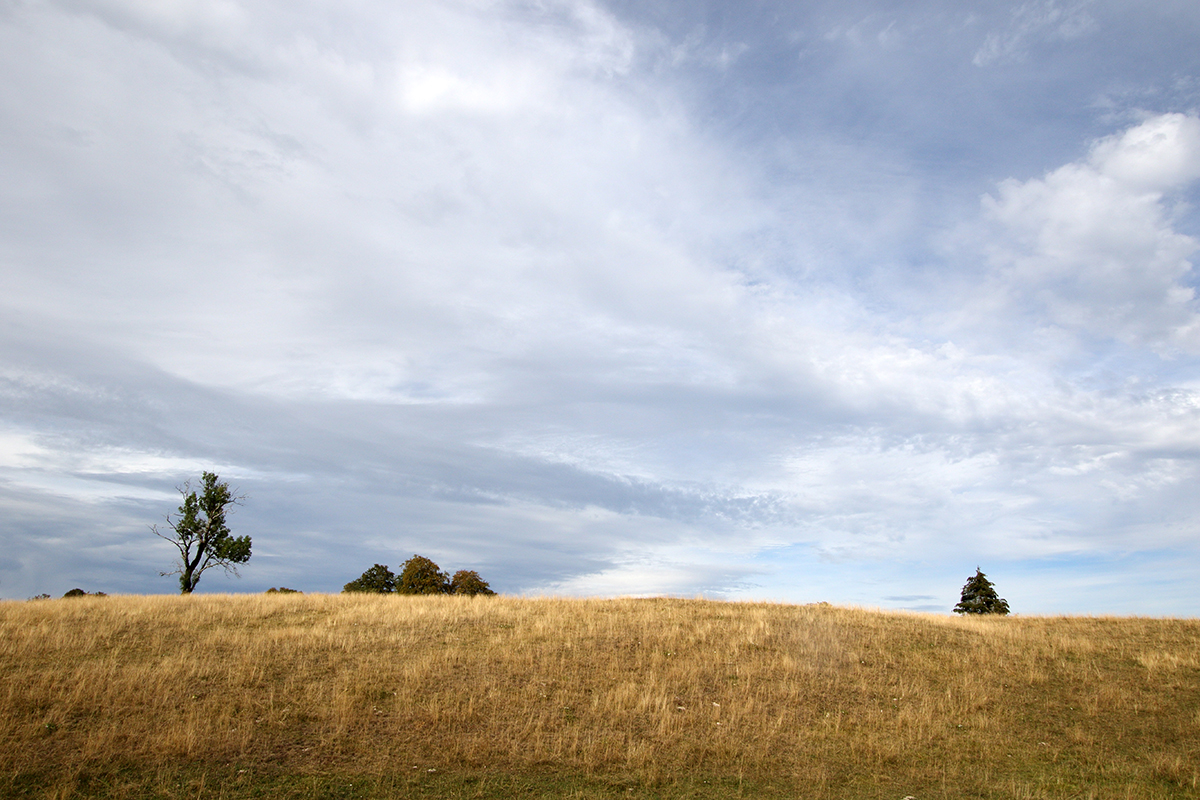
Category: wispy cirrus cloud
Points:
column 1032, row 23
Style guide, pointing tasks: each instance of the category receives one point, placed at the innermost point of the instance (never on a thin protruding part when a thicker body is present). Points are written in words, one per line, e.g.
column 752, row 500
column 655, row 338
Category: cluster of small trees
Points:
column 418, row 575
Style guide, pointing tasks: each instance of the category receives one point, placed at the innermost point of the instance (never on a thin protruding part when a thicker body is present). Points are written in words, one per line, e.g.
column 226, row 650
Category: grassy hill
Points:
column 384, row 696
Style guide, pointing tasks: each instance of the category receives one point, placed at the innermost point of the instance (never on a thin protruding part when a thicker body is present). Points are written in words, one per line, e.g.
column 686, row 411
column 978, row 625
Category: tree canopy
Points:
column 201, row 535
column 377, row 580
column 467, row 581
column 419, row 575
column 979, row 597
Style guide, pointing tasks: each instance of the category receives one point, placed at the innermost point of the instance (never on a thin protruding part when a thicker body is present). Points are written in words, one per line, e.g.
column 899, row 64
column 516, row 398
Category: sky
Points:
column 800, row 302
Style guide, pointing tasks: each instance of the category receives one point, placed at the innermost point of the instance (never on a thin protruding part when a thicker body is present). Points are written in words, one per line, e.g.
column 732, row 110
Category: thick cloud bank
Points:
column 821, row 303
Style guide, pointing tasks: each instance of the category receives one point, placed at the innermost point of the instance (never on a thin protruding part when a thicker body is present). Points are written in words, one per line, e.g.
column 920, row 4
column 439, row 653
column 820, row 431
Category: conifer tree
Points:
column 979, row 597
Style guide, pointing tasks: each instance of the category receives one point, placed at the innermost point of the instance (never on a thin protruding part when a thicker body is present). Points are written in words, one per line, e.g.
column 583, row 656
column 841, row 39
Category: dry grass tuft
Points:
column 830, row 702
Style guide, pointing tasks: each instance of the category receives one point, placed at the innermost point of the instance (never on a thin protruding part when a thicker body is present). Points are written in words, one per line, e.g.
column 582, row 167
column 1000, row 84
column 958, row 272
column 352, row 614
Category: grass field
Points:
column 312, row 696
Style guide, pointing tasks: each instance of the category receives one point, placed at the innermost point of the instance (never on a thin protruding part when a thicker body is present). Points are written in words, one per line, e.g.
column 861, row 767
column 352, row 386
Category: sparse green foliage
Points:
column 421, row 576
column 467, row 581
column 201, row 535
column 378, row 580
column 979, row 597
column 283, row 590
column 42, row 596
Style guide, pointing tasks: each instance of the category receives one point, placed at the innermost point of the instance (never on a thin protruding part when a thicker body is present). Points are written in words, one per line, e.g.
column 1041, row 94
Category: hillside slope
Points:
column 479, row 697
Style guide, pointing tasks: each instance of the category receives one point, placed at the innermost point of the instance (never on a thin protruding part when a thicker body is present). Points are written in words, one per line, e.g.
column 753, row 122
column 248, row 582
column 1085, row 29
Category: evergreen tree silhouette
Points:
column 979, row 597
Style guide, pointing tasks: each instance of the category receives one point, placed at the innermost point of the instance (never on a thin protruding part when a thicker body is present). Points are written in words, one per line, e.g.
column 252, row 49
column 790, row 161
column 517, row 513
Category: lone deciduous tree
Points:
column 378, row 579
column 467, row 581
column 421, row 576
column 201, row 535
column 979, row 597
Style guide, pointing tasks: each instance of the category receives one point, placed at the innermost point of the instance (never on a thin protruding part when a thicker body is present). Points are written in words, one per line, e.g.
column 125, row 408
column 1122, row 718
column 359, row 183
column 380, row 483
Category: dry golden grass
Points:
column 814, row 701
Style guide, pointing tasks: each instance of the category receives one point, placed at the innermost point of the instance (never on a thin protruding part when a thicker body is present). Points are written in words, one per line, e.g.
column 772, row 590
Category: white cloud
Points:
column 1092, row 246
column 1157, row 156
column 431, row 88
column 495, row 281
column 172, row 17
column 460, row 65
